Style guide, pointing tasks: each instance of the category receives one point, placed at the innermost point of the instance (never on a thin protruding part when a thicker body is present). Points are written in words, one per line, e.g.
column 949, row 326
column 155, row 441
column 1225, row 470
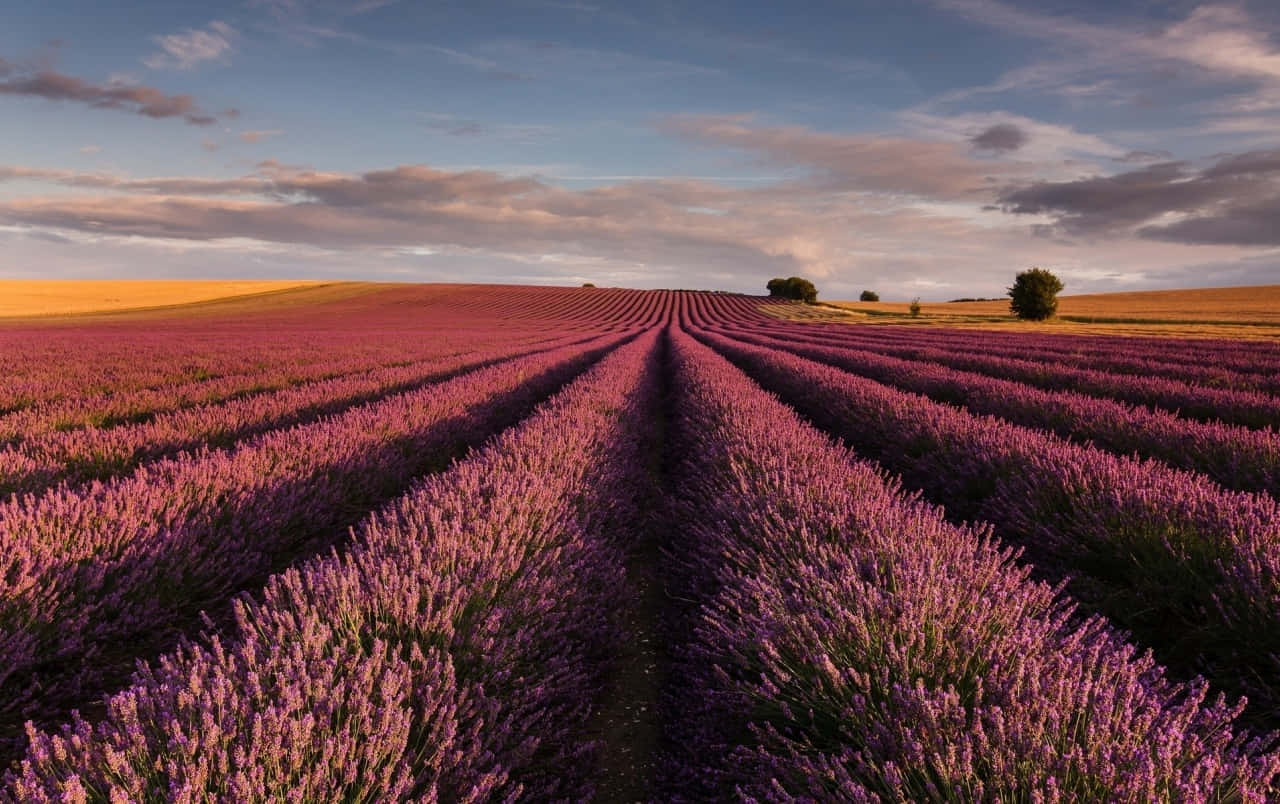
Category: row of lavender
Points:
column 1187, row 361
column 1232, row 364
column 1250, row 408
column 57, row 368
column 78, row 455
column 843, row 641
column 93, row 577
column 1247, row 357
column 100, row 376
column 451, row 654
column 1234, row 456
column 1193, row 570
column 101, row 371
column 179, row 385
column 97, row 576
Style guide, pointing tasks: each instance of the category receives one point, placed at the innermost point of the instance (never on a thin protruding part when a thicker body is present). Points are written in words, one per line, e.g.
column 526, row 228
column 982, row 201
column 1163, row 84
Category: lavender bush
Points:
column 856, row 646
column 451, row 654
column 1193, row 570
column 130, row 561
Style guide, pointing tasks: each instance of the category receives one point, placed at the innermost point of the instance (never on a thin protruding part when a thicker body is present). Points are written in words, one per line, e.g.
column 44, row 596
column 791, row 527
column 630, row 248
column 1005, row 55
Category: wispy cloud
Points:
column 576, row 64
column 292, row 9
column 256, row 136
column 1214, row 45
column 859, row 162
column 1144, row 156
column 1220, row 38
column 301, row 29
column 192, row 47
column 480, row 64
column 455, row 126
column 365, row 6
column 137, row 99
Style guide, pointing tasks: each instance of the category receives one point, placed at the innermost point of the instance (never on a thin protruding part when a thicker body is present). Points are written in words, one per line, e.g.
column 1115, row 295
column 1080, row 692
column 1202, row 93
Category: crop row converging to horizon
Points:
column 444, row 543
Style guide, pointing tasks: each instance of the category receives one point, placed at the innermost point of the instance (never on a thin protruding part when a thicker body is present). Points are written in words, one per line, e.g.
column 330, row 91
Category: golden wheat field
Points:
column 1236, row 312
column 40, row 297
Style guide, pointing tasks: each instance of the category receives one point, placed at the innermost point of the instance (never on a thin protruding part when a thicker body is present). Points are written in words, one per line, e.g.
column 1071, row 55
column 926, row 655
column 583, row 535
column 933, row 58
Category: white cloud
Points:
column 192, row 47
column 1215, row 45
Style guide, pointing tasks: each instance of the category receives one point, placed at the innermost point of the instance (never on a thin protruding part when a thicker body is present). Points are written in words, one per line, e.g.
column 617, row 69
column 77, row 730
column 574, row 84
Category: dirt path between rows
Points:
column 628, row 723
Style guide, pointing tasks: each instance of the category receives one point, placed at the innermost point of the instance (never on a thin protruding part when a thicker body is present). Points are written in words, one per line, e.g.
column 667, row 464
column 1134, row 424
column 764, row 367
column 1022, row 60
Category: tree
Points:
column 802, row 289
column 588, row 284
column 869, row 295
column 1034, row 294
column 915, row 307
column 795, row 287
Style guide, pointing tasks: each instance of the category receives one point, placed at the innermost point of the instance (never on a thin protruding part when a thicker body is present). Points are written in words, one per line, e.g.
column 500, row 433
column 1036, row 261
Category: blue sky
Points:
column 924, row 148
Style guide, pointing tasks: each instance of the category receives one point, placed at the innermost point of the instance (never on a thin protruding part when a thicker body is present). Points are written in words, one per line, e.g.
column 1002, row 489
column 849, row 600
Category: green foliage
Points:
column 795, row 287
column 915, row 307
column 1034, row 294
column 869, row 295
column 588, row 285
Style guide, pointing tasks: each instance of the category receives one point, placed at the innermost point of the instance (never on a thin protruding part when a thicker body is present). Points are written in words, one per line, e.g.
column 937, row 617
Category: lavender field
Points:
column 476, row 543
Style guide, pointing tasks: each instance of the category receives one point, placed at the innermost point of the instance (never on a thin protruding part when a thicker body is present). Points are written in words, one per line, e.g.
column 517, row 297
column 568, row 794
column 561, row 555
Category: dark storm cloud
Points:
column 1234, row 201
column 1254, row 163
column 1000, row 137
column 1256, row 224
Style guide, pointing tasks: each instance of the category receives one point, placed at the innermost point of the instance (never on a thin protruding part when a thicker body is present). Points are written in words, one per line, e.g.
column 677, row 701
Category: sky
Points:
column 919, row 148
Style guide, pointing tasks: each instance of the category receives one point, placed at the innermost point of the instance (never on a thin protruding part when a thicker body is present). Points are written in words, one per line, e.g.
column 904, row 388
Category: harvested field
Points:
column 1250, row 313
column 55, row 297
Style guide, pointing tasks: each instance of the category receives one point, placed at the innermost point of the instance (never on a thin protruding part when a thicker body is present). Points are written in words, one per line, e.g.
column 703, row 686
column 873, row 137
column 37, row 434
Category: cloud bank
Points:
column 852, row 211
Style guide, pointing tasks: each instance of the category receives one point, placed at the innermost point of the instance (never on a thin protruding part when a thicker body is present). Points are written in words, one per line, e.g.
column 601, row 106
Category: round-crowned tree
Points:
column 802, row 289
column 794, row 287
column 1034, row 294
column 869, row 295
